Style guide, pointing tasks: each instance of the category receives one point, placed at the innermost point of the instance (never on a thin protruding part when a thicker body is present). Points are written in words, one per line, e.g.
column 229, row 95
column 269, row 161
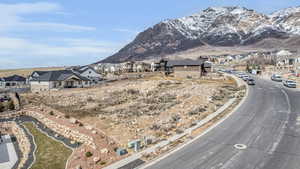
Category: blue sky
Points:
column 73, row 32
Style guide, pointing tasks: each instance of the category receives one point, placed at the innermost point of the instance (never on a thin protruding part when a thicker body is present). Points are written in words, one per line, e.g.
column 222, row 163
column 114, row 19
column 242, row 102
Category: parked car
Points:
column 4, row 99
column 240, row 75
column 289, row 83
column 245, row 77
column 276, row 78
column 251, row 81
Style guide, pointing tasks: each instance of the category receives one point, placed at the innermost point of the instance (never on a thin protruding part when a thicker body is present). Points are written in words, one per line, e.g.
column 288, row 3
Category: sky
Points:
column 36, row 33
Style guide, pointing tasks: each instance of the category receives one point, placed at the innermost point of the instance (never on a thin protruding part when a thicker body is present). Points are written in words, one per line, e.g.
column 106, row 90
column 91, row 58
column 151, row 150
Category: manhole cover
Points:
column 240, row 146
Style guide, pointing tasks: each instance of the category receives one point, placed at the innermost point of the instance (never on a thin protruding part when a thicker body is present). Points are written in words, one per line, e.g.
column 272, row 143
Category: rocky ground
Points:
column 155, row 106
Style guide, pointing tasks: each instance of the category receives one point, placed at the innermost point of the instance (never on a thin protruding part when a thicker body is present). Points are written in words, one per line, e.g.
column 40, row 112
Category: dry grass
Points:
column 49, row 153
column 156, row 105
column 25, row 72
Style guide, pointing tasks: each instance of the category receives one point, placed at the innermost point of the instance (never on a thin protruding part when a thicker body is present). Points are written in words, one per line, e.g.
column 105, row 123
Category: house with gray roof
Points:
column 47, row 80
column 88, row 72
column 14, row 81
column 200, row 65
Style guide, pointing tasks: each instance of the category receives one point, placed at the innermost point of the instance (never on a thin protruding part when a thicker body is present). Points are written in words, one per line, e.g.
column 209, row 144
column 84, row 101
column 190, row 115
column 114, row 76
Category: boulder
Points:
column 89, row 127
column 104, row 151
column 78, row 167
column 96, row 159
column 73, row 120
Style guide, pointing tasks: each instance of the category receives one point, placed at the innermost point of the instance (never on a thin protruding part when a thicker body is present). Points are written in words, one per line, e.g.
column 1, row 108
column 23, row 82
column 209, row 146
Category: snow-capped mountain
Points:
column 287, row 19
column 216, row 26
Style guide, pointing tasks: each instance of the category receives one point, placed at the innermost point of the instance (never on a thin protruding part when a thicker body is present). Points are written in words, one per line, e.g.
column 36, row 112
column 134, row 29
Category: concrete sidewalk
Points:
column 200, row 123
column 8, row 155
column 136, row 156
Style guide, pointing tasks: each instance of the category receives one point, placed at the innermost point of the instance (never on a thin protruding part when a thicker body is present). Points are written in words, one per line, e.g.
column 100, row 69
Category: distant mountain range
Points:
column 216, row 26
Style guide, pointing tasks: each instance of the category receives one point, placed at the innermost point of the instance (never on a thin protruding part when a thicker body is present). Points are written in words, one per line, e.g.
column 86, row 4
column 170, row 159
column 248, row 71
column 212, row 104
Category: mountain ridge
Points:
column 214, row 26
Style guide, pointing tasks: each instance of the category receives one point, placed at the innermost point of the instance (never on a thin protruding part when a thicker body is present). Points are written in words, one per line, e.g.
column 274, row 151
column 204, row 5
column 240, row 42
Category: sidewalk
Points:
column 200, row 123
column 8, row 155
column 136, row 156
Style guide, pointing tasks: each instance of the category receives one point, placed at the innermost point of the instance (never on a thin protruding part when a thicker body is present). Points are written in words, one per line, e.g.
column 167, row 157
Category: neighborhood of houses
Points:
column 87, row 76
column 126, row 100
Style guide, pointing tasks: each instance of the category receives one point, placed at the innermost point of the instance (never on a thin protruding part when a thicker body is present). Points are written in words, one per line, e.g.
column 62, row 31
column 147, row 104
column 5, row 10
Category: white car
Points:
column 290, row 83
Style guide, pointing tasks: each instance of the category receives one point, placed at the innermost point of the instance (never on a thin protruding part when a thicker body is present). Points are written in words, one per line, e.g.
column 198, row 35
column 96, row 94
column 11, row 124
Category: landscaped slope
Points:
column 50, row 154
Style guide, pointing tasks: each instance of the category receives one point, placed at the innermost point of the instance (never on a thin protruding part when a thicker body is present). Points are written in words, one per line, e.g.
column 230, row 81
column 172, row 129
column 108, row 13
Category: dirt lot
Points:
column 155, row 106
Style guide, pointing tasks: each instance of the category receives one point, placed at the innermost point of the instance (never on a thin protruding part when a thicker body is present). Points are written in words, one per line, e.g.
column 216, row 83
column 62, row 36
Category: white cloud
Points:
column 126, row 30
column 68, row 48
column 20, row 46
column 13, row 18
column 17, row 52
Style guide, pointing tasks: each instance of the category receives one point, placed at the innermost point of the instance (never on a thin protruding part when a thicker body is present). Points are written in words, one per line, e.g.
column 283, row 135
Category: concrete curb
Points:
column 136, row 156
column 207, row 130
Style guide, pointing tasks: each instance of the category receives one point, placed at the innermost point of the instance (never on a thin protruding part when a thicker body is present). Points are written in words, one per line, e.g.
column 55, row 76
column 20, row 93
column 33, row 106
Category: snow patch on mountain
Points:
column 287, row 20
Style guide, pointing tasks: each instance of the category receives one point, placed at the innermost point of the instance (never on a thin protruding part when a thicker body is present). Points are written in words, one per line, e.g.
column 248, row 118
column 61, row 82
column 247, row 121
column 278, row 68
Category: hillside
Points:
column 213, row 27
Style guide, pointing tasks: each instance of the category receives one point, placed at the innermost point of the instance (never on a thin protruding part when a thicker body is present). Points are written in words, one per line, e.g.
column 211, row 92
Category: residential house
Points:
column 161, row 65
column 89, row 72
column 283, row 58
column 14, row 81
column 202, row 65
column 47, row 80
column 141, row 67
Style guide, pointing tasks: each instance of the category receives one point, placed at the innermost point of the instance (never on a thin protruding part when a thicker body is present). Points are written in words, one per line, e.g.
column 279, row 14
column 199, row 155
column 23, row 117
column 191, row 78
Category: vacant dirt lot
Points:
column 155, row 106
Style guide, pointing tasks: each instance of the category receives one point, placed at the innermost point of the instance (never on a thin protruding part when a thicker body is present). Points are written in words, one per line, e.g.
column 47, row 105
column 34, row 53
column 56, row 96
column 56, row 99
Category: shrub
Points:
column 51, row 113
column 90, row 99
column 67, row 116
column 11, row 105
column 2, row 108
column 102, row 163
column 88, row 154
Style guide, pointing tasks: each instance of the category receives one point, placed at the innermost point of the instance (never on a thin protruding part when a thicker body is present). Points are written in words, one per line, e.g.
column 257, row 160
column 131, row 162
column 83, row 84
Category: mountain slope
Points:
column 219, row 26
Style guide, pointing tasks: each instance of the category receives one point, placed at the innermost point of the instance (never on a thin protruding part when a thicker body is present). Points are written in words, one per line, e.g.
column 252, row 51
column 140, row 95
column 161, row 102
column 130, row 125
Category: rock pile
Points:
column 23, row 141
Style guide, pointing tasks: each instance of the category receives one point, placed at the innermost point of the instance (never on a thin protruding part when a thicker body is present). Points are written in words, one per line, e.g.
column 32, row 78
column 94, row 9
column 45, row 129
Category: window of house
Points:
column 86, row 82
column 90, row 72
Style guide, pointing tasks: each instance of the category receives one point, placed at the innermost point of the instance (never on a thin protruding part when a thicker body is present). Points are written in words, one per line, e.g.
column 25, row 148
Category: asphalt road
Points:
column 268, row 123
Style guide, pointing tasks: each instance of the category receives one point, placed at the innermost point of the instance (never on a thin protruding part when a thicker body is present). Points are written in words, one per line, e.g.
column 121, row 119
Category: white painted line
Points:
column 240, row 146
column 281, row 133
column 136, row 156
column 202, row 134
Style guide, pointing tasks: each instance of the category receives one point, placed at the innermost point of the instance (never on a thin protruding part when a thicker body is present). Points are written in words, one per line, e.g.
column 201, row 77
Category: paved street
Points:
column 267, row 125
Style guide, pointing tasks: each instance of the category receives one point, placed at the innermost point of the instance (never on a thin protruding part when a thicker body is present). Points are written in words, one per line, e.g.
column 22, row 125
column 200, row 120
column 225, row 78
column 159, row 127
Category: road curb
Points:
column 207, row 130
column 200, row 123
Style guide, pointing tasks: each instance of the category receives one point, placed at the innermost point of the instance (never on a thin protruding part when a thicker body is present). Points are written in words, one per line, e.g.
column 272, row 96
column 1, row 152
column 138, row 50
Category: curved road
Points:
column 268, row 123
